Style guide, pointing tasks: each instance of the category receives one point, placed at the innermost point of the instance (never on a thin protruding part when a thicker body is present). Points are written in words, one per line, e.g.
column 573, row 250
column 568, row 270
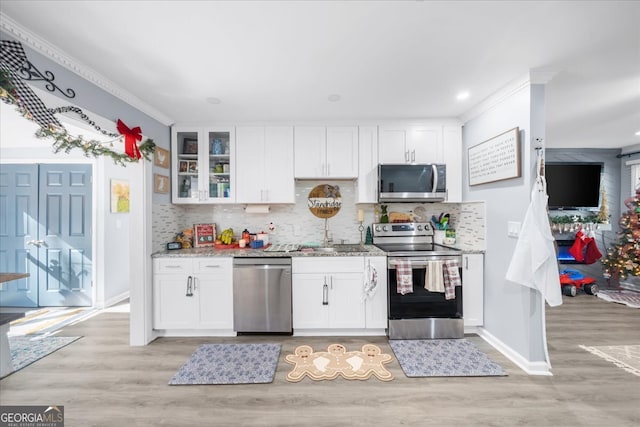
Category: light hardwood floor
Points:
column 102, row 381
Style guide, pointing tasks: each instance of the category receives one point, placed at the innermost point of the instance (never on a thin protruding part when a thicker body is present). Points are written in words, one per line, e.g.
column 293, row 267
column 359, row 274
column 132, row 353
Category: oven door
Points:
column 421, row 303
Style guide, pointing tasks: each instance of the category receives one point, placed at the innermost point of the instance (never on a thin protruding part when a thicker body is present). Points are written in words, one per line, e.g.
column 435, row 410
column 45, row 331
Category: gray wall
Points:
column 513, row 313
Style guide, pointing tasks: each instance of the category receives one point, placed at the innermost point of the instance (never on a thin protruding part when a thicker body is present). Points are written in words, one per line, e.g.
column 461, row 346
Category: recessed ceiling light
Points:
column 462, row 96
column 334, row 97
column 638, row 133
column 213, row 100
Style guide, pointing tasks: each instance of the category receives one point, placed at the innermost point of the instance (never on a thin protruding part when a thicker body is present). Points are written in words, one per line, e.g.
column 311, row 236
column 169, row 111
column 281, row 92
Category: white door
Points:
column 308, row 301
column 310, row 151
column 279, row 165
column 342, row 152
column 392, row 145
column 250, row 158
column 346, row 305
column 425, row 144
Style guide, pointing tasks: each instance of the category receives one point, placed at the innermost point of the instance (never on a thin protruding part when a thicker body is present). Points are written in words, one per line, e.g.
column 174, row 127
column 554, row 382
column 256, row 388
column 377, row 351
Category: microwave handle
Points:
column 434, row 177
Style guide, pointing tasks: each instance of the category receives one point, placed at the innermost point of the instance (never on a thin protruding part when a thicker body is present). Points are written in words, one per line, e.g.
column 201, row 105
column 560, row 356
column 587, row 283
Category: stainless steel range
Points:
column 425, row 299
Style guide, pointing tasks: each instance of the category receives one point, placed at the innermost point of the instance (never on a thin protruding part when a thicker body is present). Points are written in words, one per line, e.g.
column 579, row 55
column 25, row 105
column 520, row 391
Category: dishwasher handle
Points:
column 263, row 266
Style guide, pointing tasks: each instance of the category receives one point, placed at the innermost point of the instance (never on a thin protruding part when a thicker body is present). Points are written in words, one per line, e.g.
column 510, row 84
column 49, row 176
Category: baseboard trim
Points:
column 531, row 368
column 115, row 300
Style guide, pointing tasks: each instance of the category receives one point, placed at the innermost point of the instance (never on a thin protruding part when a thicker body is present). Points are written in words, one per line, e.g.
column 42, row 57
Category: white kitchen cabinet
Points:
column 326, row 152
column 193, row 294
column 473, row 289
column 327, row 293
column 410, row 144
column 264, row 158
column 203, row 165
column 376, row 306
column 367, row 165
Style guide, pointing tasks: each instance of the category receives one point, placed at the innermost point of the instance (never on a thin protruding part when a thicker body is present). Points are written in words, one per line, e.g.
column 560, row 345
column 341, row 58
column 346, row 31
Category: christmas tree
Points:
column 623, row 258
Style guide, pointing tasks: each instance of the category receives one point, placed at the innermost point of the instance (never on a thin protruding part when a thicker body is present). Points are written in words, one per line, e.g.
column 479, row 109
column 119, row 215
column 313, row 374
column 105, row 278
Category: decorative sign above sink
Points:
column 324, row 200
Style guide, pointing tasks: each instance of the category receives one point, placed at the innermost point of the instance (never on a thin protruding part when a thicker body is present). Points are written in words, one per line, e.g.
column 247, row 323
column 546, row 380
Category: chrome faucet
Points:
column 328, row 240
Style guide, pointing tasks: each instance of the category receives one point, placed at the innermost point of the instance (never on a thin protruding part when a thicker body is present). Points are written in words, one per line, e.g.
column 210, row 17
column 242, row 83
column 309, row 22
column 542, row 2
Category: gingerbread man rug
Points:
column 337, row 361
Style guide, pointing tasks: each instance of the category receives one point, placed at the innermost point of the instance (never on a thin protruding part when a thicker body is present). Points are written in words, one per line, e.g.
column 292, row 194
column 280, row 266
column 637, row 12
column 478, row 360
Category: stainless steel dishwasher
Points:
column 262, row 295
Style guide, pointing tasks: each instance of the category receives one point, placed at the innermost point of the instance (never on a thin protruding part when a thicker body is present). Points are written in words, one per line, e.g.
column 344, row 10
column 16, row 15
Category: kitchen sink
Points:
column 324, row 249
column 350, row 248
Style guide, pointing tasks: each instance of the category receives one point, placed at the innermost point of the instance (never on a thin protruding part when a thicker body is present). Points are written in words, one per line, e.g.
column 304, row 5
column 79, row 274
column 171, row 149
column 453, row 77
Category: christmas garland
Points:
column 63, row 140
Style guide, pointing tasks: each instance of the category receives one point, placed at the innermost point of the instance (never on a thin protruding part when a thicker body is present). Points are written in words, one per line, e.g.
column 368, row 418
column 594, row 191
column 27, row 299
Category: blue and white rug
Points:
column 27, row 349
column 229, row 364
column 443, row 358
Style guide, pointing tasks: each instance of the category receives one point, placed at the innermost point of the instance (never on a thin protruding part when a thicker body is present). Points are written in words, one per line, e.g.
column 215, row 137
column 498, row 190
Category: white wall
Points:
column 513, row 313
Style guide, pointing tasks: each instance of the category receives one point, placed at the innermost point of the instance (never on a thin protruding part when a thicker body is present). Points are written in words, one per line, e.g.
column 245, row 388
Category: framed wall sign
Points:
column 160, row 183
column 495, row 159
column 161, row 157
column 324, row 200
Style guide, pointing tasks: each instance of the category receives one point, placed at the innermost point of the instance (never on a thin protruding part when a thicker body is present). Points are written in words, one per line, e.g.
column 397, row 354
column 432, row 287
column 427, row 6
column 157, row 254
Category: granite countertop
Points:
column 368, row 250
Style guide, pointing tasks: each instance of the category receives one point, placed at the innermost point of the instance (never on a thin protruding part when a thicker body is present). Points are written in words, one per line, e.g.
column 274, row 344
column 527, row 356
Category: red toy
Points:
column 572, row 280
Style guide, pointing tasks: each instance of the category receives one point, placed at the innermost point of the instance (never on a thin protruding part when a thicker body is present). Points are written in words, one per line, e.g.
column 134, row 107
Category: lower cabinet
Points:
column 193, row 293
column 328, row 293
column 473, row 289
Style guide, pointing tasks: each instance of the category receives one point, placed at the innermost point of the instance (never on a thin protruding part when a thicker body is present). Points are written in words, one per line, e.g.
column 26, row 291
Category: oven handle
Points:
column 419, row 263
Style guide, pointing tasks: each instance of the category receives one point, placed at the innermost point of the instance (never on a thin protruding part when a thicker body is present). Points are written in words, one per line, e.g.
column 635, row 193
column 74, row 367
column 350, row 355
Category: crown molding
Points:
column 511, row 88
column 35, row 42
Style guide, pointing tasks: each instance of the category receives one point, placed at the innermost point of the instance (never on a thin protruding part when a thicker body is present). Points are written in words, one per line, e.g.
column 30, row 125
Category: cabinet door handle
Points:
column 331, row 281
column 413, row 155
column 406, row 156
column 212, row 266
column 189, row 287
column 325, row 294
column 466, row 263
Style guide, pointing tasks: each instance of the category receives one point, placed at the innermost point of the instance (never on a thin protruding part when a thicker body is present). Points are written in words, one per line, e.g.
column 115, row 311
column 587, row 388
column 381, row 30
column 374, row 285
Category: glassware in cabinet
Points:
column 187, row 167
column 220, row 144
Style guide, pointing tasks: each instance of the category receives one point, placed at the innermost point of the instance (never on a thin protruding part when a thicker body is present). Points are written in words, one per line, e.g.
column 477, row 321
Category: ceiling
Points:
column 265, row 61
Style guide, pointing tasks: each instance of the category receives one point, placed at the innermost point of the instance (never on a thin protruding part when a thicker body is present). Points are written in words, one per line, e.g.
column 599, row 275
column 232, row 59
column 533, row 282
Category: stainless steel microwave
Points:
column 412, row 182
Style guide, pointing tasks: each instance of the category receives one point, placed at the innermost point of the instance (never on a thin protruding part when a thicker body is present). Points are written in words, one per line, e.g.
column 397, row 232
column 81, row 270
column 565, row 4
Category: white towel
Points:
column 434, row 279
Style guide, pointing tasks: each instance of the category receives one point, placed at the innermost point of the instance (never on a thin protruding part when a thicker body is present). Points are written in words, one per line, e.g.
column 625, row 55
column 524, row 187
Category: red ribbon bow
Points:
column 130, row 138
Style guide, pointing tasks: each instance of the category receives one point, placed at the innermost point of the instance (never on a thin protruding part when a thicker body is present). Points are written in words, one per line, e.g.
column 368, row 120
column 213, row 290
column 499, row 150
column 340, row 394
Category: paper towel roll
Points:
column 263, row 209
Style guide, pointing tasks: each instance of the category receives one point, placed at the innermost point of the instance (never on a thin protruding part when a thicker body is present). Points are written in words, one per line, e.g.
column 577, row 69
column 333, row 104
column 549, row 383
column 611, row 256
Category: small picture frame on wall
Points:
column 161, row 157
column 190, row 146
column 160, row 184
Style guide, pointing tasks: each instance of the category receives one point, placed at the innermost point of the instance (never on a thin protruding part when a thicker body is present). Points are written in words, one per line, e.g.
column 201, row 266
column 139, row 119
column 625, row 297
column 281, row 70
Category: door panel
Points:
column 65, row 279
column 19, row 227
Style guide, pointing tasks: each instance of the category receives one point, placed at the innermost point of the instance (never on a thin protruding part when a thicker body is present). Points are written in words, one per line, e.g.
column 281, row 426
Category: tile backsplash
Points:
column 295, row 223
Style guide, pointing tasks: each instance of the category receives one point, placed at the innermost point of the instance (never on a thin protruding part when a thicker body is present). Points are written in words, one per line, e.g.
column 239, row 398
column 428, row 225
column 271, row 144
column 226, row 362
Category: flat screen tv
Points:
column 573, row 185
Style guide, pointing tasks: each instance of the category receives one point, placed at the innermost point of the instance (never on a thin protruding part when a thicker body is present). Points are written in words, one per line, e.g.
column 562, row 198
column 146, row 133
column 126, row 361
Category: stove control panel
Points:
column 402, row 229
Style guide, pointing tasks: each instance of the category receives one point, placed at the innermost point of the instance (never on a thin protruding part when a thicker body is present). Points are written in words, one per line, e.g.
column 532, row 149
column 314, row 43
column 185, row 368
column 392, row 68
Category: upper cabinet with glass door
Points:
column 203, row 165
